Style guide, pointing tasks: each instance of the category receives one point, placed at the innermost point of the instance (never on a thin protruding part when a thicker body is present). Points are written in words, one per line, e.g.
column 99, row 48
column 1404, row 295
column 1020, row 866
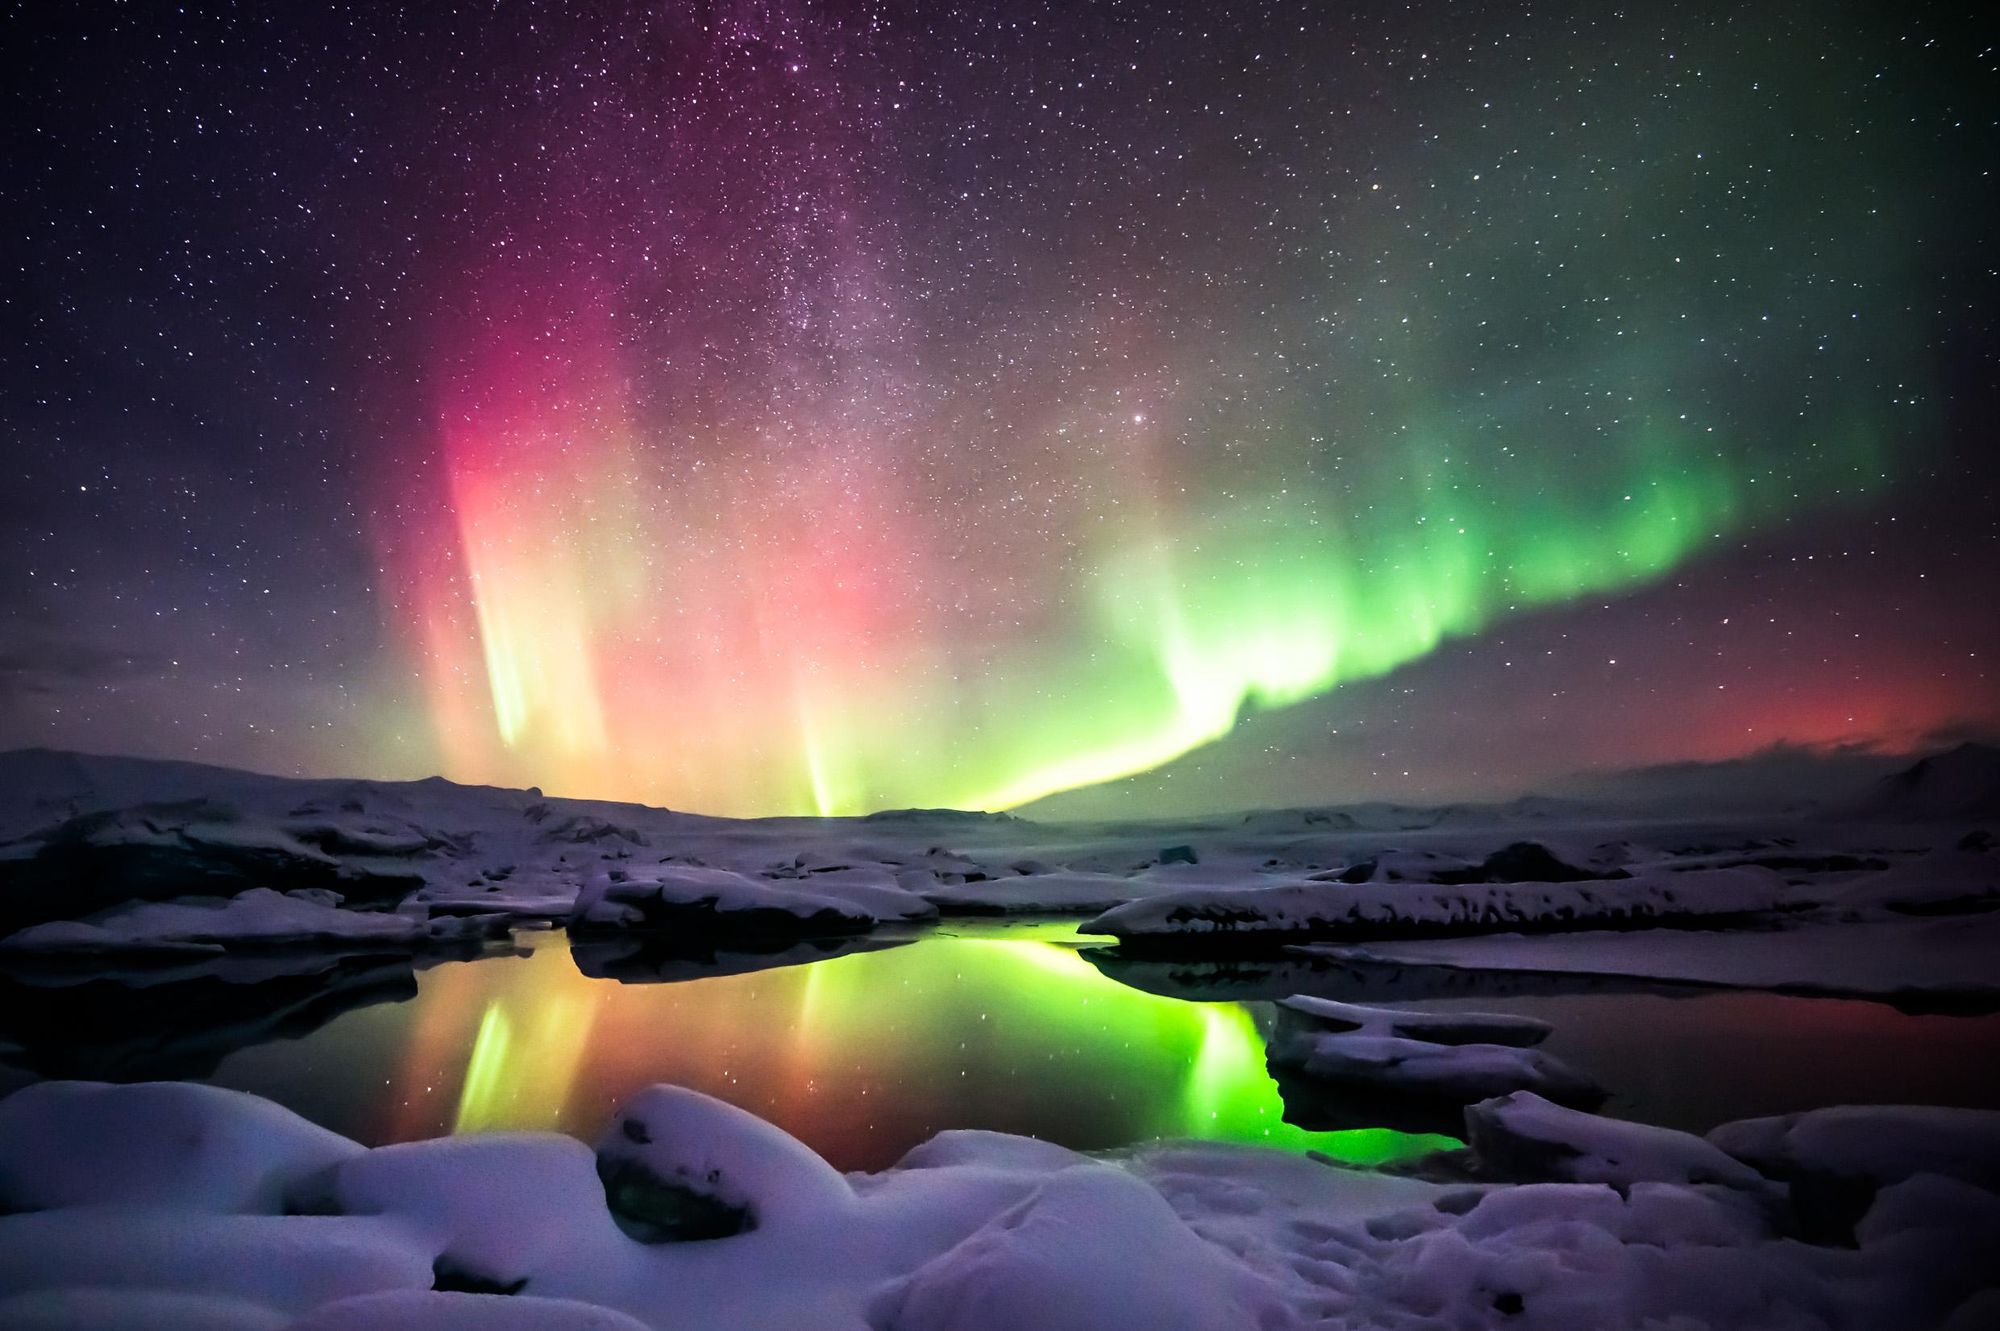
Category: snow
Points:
column 1320, row 910
column 259, row 917
column 136, row 1310
column 428, row 1310
column 1524, row 1135
column 287, row 1263
column 1411, row 1070
column 696, row 1142
column 1624, row 1226
column 1928, row 962
column 1949, row 879
column 91, row 843
column 1045, row 893
column 1458, row 1074
column 1445, row 1028
column 1881, row 1144
column 715, row 901
column 1063, row 1259
column 177, row 1144
column 174, row 1205
column 448, row 1190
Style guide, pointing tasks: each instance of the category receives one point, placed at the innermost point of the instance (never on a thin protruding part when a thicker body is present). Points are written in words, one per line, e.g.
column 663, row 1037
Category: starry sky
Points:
column 1121, row 408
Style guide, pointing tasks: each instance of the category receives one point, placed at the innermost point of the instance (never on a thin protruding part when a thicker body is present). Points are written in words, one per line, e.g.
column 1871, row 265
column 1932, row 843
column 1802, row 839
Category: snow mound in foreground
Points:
column 180, row 1207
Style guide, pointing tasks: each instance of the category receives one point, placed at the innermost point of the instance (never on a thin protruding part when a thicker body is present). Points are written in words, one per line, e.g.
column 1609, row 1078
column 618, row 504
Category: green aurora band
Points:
column 1537, row 336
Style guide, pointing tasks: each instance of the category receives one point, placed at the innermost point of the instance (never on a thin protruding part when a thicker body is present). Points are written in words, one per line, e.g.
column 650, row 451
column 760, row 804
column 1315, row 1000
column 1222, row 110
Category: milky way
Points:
column 767, row 408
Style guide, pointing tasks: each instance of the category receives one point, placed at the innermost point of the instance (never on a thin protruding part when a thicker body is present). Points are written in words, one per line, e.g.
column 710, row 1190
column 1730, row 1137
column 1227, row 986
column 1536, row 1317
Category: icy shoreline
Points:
column 106, row 858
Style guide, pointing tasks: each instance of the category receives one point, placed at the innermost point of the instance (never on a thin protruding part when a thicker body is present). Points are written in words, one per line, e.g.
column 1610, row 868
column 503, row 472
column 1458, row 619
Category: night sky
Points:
column 768, row 408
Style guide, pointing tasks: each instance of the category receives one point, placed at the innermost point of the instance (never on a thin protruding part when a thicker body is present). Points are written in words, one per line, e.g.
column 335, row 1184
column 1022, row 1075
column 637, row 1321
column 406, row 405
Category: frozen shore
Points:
column 170, row 1205
column 109, row 857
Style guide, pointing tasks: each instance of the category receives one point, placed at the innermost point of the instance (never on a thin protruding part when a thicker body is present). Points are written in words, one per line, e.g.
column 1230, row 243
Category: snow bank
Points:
column 451, row 1190
column 287, row 1263
column 707, row 902
column 179, row 1144
column 1881, row 1144
column 135, row 1310
column 259, row 917
column 1937, row 963
column 670, row 1140
column 429, row 1310
column 1320, row 910
column 1950, row 880
column 1091, row 1248
column 1044, row 893
column 971, row 1232
column 1523, row 1135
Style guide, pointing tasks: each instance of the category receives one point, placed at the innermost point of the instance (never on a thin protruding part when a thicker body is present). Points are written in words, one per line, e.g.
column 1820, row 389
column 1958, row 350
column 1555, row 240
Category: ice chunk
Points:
column 1211, row 916
column 500, row 1209
column 1523, row 1135
column 678, row 1164
column 1881, row 1144
column 1092, row 1248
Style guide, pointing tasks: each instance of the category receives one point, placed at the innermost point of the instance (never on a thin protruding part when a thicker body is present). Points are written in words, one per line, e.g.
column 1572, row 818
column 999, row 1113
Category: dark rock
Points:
column 652, row 1209
column 1522, row 862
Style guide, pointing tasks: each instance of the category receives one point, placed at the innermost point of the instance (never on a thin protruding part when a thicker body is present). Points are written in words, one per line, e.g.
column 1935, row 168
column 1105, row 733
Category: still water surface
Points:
column 1006, row 1027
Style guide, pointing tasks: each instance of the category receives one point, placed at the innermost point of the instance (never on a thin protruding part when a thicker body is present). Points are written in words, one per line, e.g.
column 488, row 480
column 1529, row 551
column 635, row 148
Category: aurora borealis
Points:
column 783, row 408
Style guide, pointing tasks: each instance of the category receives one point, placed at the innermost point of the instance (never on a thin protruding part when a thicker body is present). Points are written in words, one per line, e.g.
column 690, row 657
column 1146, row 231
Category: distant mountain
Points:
column 1959, row 783
column 1784, row 779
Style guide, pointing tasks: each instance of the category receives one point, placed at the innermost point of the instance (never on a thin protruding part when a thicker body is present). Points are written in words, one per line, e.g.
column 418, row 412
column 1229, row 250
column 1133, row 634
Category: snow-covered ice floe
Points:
column 103, row 856
column 179, row 1205
column 1922, row 964
column 1299, row 912
column 1345, row 1065
column 259, row 917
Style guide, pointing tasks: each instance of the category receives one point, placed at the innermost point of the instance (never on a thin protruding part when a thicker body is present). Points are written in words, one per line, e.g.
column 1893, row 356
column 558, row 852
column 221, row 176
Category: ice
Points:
column 711, row 902
column 1048, row 893
column 1523, row 1135
column 1443, row 1028
column 176, row 1225
column 1319, row 910
column 1064, row 1260
column 1341, row 1064
column 1937, row 963
column 692, row 1142
column 95, row 840
column 259, row 917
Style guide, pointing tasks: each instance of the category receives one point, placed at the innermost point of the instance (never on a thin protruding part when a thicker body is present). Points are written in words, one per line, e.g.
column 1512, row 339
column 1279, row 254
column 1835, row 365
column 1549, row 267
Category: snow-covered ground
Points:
column 1923, row 963
column 111, row 855
column 179, row 1205
column 174, row 1205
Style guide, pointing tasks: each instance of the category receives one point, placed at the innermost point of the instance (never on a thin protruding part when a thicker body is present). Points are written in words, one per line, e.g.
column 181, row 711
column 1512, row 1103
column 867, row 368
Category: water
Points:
column 1006, row 1027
